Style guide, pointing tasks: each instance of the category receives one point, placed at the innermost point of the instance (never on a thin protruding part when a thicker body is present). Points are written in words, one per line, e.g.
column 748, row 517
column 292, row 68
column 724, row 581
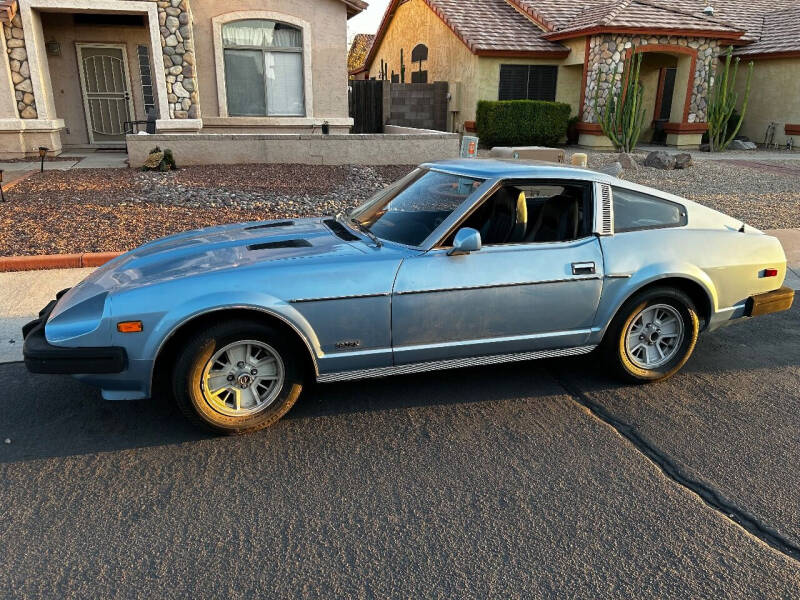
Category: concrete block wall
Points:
column 419, row 105
column 335, row 149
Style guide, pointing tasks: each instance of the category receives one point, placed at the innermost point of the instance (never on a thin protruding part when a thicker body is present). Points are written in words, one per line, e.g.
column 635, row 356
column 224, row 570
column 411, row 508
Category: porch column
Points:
column 22, row 128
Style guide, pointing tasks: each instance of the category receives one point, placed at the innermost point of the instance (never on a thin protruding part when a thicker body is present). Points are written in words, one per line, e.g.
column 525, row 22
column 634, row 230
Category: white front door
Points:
column 105, row 83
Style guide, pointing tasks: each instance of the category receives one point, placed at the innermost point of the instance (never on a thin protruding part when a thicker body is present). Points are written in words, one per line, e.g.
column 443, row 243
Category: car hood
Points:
column 214, row 249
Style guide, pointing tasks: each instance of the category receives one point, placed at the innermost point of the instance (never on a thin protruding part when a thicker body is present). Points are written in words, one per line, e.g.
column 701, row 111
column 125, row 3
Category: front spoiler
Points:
column 43, row 358
column 771, row 302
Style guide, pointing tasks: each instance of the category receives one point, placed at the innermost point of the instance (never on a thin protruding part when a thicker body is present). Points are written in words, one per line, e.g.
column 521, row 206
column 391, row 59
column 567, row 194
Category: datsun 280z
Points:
column 460, row 263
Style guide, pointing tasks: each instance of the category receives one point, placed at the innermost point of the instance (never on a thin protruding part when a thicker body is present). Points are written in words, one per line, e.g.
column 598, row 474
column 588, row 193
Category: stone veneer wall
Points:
column 607, row 63
column 20, row 71
column 177, row 44
column 175, row 20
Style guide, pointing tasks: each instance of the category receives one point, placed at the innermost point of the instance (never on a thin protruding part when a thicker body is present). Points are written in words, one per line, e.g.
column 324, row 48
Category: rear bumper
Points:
column 771, row 302
column 42, row 357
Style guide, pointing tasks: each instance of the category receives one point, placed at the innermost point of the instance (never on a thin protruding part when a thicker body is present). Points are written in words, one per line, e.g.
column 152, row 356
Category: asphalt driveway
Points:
column 493, row 482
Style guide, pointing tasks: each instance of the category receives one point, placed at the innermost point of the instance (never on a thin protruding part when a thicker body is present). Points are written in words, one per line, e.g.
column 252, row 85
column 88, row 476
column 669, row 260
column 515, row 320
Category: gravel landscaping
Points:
column 104, row 210
column 113, row 210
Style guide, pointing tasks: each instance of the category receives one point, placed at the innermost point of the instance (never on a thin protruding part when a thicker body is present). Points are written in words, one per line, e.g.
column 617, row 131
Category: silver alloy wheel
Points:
column 243, row 378
column 654, row 336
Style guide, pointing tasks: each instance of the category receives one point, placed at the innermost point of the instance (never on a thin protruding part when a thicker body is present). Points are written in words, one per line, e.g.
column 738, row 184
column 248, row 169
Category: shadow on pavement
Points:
column 57, row 416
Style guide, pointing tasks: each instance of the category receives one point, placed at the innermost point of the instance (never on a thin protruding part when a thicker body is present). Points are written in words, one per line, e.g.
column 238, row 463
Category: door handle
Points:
column 583, row 268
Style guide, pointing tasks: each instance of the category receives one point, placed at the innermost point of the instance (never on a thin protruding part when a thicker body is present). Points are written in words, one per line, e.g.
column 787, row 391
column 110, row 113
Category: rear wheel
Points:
column 653, row 335
column 237, row 377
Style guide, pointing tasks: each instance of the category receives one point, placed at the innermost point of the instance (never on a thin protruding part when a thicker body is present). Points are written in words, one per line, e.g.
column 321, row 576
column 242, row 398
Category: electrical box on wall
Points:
column 455, row 97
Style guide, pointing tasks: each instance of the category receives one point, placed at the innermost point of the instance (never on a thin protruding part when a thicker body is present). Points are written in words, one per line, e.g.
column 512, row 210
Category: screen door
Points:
column 106, row 92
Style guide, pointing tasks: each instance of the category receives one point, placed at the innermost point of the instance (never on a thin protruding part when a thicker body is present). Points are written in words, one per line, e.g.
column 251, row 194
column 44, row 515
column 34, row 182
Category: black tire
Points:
column 187, row 377
column 614, row 343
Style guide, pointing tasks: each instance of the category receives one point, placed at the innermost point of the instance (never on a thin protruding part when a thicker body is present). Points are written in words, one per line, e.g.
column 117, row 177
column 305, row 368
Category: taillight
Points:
column 770, row 272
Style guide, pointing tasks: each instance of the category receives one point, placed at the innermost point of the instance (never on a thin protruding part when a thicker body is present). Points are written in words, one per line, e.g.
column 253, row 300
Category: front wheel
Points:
column 653, row 335
column 237, row 377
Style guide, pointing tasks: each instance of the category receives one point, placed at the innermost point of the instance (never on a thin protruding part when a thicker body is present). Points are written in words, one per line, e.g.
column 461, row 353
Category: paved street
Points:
column 499, row 481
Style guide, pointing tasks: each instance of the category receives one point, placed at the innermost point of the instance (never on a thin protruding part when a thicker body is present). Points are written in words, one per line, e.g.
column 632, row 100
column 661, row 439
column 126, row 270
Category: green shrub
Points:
column 522, row 122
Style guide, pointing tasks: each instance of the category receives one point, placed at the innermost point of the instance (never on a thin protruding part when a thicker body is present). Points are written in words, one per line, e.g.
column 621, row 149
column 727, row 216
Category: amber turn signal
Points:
column 130, row 327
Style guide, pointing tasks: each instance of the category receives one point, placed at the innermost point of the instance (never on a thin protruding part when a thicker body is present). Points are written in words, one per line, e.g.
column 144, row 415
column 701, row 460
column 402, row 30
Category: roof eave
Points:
column 7, row 11
column 710, row 33
column 768, row 55
column 523, row 53
column 355, row 7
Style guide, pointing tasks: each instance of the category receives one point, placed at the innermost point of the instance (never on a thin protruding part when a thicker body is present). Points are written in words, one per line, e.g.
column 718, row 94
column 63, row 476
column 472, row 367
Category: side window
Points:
column 634, row 211
column 531, row 213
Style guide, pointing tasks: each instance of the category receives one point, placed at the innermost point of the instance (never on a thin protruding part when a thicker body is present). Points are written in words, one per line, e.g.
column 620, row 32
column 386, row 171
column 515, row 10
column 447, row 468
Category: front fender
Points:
column 159, row 327
column 619, row 287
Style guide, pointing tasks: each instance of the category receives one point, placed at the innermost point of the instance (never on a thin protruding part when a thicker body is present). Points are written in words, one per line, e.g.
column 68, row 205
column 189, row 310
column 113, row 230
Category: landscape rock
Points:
column 742, row 145
column 628, row 161
column 660, row 160
column 683, row 160
column 614, row 169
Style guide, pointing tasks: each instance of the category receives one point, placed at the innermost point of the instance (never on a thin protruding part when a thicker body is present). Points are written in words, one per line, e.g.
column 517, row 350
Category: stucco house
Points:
column 573, row 52
column 78, row 73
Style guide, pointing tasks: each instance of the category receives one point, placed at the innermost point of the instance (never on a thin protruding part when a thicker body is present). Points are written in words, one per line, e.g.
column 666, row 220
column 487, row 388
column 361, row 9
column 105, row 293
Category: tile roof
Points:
column 488, row 26
column 632, row 14
column 534, row 26
column 780, row 34
column 357, row 57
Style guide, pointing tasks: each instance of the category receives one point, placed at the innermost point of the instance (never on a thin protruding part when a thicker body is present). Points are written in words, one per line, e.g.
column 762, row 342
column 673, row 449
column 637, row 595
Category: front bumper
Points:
column 42, row 357
column 771, row 302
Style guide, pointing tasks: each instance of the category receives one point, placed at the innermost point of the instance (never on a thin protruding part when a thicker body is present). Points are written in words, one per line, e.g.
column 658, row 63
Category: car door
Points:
column 500, row 299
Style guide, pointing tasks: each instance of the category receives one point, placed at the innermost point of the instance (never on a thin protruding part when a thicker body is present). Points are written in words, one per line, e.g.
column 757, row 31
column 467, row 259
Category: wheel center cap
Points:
column 244, row 380
column 653, row 337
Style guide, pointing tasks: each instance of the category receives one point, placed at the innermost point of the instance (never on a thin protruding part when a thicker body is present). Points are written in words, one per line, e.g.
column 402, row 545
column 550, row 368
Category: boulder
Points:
column 614, row 169
column 741, row 145
column 628, row 162
column 660, row 160
column 683, row 160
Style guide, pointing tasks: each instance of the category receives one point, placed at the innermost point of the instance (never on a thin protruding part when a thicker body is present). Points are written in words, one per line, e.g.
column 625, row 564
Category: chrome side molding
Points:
column 455, row 363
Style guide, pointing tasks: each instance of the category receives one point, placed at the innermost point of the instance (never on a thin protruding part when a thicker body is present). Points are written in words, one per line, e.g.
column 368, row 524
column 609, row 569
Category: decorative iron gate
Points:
column 106, row 92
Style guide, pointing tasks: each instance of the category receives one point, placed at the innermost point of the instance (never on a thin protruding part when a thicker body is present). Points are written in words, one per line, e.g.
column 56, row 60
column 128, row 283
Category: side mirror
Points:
column 467, row 240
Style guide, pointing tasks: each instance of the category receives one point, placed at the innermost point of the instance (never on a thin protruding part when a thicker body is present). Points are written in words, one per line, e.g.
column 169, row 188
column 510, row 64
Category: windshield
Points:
column 410, row 210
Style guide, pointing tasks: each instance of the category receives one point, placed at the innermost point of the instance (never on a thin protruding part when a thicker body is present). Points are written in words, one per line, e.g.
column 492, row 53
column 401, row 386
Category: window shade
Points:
column 528, row 82
column 261, row 34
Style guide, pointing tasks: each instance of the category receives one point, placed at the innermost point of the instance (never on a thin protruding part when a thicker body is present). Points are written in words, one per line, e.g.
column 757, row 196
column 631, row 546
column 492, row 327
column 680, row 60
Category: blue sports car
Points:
column 460, row 263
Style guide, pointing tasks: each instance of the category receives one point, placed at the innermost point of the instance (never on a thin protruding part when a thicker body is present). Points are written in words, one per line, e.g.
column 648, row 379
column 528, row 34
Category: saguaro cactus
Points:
column 722, row 101
column 623, row 116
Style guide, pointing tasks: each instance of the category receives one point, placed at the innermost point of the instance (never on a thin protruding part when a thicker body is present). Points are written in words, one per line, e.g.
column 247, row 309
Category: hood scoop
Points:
column 281, row 244
column 270, row 225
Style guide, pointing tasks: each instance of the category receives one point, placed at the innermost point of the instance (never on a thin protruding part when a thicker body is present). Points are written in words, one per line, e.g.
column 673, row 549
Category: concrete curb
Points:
column 56, row 261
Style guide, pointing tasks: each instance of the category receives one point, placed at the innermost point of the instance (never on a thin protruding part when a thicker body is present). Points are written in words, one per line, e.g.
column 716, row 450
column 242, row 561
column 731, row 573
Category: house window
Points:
column 263, row 69
column 528, row 82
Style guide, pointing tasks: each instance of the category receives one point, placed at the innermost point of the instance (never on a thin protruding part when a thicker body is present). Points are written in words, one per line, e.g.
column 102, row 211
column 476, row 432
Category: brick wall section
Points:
column 419, row 105
column 177, row 49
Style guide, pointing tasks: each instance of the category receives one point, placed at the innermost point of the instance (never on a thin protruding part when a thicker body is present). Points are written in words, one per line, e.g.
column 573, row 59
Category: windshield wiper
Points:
column 366, row 231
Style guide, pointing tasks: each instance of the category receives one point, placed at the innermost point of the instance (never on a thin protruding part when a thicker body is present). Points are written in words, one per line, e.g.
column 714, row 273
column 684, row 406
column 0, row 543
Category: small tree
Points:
column 722, row 101
column 622, row 119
